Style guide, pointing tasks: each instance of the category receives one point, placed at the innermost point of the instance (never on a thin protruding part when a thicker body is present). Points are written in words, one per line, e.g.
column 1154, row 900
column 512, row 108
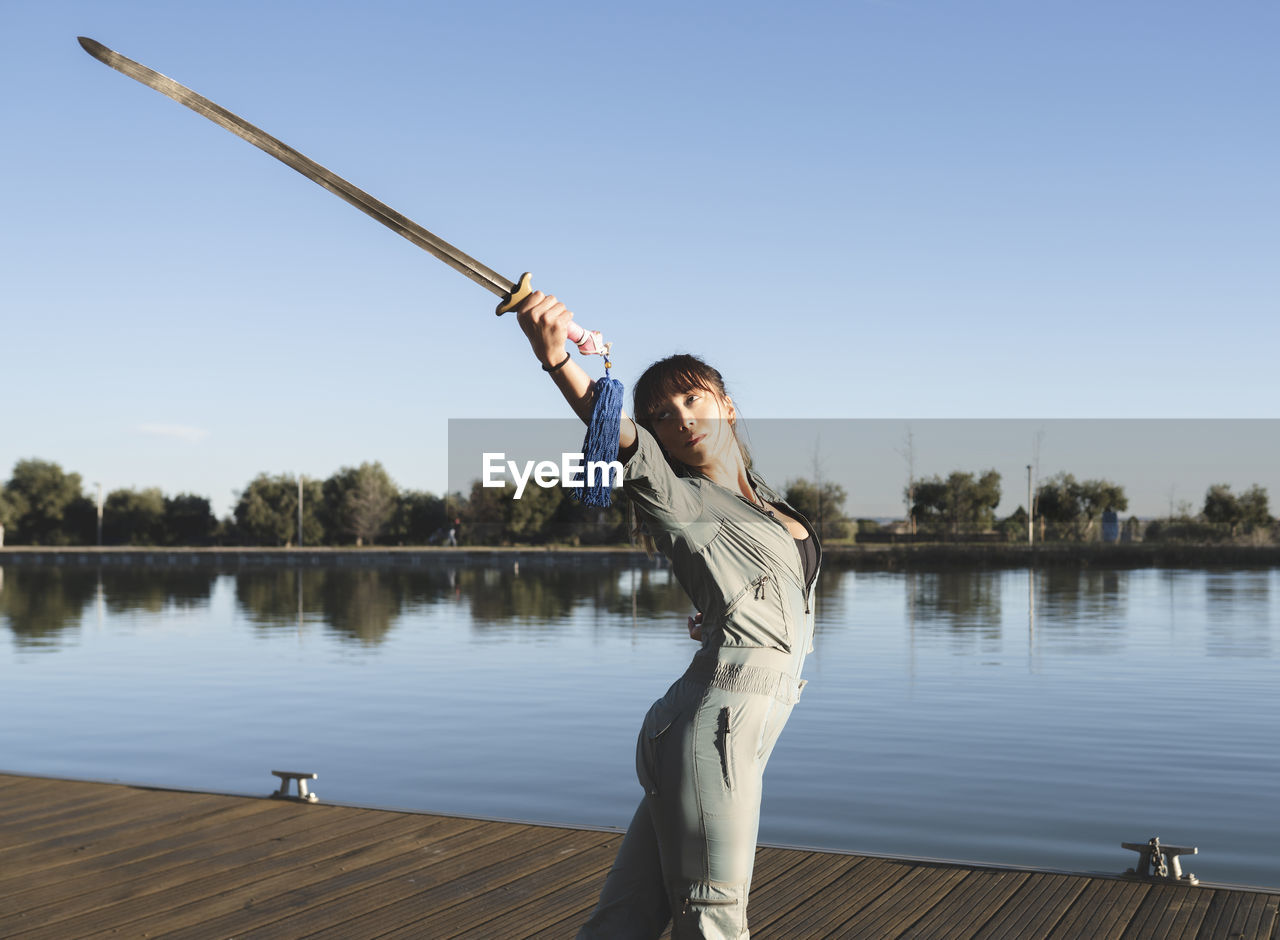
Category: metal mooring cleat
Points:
column 1156, row 861
column 283, row 793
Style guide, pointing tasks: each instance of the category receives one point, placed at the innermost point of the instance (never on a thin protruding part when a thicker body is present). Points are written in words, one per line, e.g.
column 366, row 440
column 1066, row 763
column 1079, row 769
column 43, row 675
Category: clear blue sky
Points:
column 900, row 210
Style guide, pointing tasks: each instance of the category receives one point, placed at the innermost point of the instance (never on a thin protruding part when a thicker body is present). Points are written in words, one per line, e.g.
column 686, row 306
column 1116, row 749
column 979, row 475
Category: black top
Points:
column 809, row 558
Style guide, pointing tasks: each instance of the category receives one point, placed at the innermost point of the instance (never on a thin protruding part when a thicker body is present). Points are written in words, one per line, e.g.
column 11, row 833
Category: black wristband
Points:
column 559, row 365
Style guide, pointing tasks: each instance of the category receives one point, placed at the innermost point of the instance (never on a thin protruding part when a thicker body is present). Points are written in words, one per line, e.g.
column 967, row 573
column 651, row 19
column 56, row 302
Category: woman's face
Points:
column 696, row 427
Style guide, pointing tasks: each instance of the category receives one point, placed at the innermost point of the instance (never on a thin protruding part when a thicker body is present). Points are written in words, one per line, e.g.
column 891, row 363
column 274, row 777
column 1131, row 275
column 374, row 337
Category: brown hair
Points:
column 661, row 382
column 673, row 376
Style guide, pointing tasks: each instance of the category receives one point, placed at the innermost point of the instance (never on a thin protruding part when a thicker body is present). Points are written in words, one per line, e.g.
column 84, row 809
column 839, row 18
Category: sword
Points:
column 589, row 342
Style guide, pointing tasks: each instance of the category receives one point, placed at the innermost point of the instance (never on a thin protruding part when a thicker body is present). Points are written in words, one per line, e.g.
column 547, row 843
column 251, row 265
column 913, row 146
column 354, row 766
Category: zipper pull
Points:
column 759, row 584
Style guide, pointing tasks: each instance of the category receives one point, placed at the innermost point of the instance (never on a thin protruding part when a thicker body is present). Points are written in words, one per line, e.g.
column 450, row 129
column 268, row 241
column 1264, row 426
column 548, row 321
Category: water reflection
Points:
column 1082, row 612
column 362, row 605
column 358, row 604
column 40, row 604
column 365, row 604
column 1238, row 605
column 1076, row 611
column 153, row 591
column 962, row 602
column 1061, row 610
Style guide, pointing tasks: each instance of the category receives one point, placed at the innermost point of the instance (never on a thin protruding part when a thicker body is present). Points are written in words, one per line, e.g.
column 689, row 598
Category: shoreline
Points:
column 925, row 556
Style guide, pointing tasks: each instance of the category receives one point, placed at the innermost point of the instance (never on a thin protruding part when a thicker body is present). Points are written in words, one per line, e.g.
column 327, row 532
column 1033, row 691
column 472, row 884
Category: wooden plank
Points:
column 357, row 888
column 773, row 866
column 968, row 907
column 93, row 875
column 1101, row 911
column 1240, row 914
column 32, row 817
column 1224, row 907
column 23, row 803
column 248, row 874
column 161, row 835
column 99, row 860
column 807, row 875
column 1169, row 912
column 79, row 848
column 157, row 889
column 853, row 890
column 897, row 909
column 1034, row 909
column 527, row 894
column 129, row 821
column 26, row 812
column 193, row 854
column 1260, row 914
column 476, row 873
column 565, row 910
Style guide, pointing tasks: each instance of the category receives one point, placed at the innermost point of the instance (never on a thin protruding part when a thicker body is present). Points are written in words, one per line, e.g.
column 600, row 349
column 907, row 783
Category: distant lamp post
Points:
column 99, row 486
column 299, row 510
column 1030, row 506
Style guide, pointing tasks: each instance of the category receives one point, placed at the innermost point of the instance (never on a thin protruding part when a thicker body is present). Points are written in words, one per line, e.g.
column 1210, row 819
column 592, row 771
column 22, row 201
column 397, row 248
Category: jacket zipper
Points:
column 804, row 588
column 756, row 585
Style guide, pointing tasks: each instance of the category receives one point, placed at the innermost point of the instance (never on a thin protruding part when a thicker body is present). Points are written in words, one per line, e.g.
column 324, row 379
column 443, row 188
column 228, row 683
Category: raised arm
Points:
column 545, row 322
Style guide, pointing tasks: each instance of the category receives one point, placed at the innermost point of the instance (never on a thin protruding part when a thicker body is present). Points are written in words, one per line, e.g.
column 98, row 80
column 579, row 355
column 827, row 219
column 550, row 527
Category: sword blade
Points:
column 483, row 275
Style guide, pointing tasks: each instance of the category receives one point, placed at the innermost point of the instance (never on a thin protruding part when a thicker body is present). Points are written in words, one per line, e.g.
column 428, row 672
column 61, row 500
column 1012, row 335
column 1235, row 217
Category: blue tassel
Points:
column 601, row 442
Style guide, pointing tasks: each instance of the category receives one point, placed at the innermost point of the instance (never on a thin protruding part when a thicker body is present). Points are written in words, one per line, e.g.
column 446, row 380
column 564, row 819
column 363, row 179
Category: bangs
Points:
column 668, row 379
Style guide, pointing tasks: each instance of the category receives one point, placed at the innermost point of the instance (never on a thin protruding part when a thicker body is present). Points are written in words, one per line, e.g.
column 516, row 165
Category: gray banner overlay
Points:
column 1163, row 465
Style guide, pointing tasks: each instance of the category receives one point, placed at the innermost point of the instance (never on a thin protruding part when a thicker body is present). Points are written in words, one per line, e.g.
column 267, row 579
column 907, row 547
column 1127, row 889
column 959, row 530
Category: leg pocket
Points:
column 723, row 731
column 710, row 909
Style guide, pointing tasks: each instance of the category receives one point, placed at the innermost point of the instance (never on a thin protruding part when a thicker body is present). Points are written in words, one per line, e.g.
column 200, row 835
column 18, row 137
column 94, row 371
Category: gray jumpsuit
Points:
column 688, row 854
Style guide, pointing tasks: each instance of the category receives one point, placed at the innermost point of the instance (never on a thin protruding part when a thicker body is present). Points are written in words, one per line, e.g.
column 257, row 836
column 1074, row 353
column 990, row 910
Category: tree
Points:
column 359, row 503
column 1073, row 506
column 188, row 520
column 1013, row 527
column 7, row 513
column 133, row 517
column 492, row 515
column 1097, row 497
column 419, row 515
column 1245, row 512
column 1254, row 511
column 80, row 521
column 483, row 513
column 959, row 504
column 823, row 505
column 38, row 496
column 528, row 519
column 267, row 511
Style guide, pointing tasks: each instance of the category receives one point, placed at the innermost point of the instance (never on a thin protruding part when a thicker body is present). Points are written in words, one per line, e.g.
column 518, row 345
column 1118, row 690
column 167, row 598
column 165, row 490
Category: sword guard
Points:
column 589, row 342
column 521, row 291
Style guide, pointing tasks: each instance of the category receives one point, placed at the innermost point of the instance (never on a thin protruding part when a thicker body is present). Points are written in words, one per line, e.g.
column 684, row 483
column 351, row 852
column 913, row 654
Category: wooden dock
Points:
column 91, row 860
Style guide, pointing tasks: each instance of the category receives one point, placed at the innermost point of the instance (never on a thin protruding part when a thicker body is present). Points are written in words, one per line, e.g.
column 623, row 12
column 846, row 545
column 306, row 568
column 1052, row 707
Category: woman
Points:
column 748, row 561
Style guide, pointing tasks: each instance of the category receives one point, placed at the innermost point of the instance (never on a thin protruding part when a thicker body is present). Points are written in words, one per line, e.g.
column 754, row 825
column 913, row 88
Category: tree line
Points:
column 1066, row 509
column 41, row 504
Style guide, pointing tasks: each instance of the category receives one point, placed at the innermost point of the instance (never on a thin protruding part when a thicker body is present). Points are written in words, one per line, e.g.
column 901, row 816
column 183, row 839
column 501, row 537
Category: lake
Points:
column 1033, row 718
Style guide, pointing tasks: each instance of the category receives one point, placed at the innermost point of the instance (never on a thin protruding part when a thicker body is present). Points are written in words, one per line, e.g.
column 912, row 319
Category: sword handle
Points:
column 589, row 342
